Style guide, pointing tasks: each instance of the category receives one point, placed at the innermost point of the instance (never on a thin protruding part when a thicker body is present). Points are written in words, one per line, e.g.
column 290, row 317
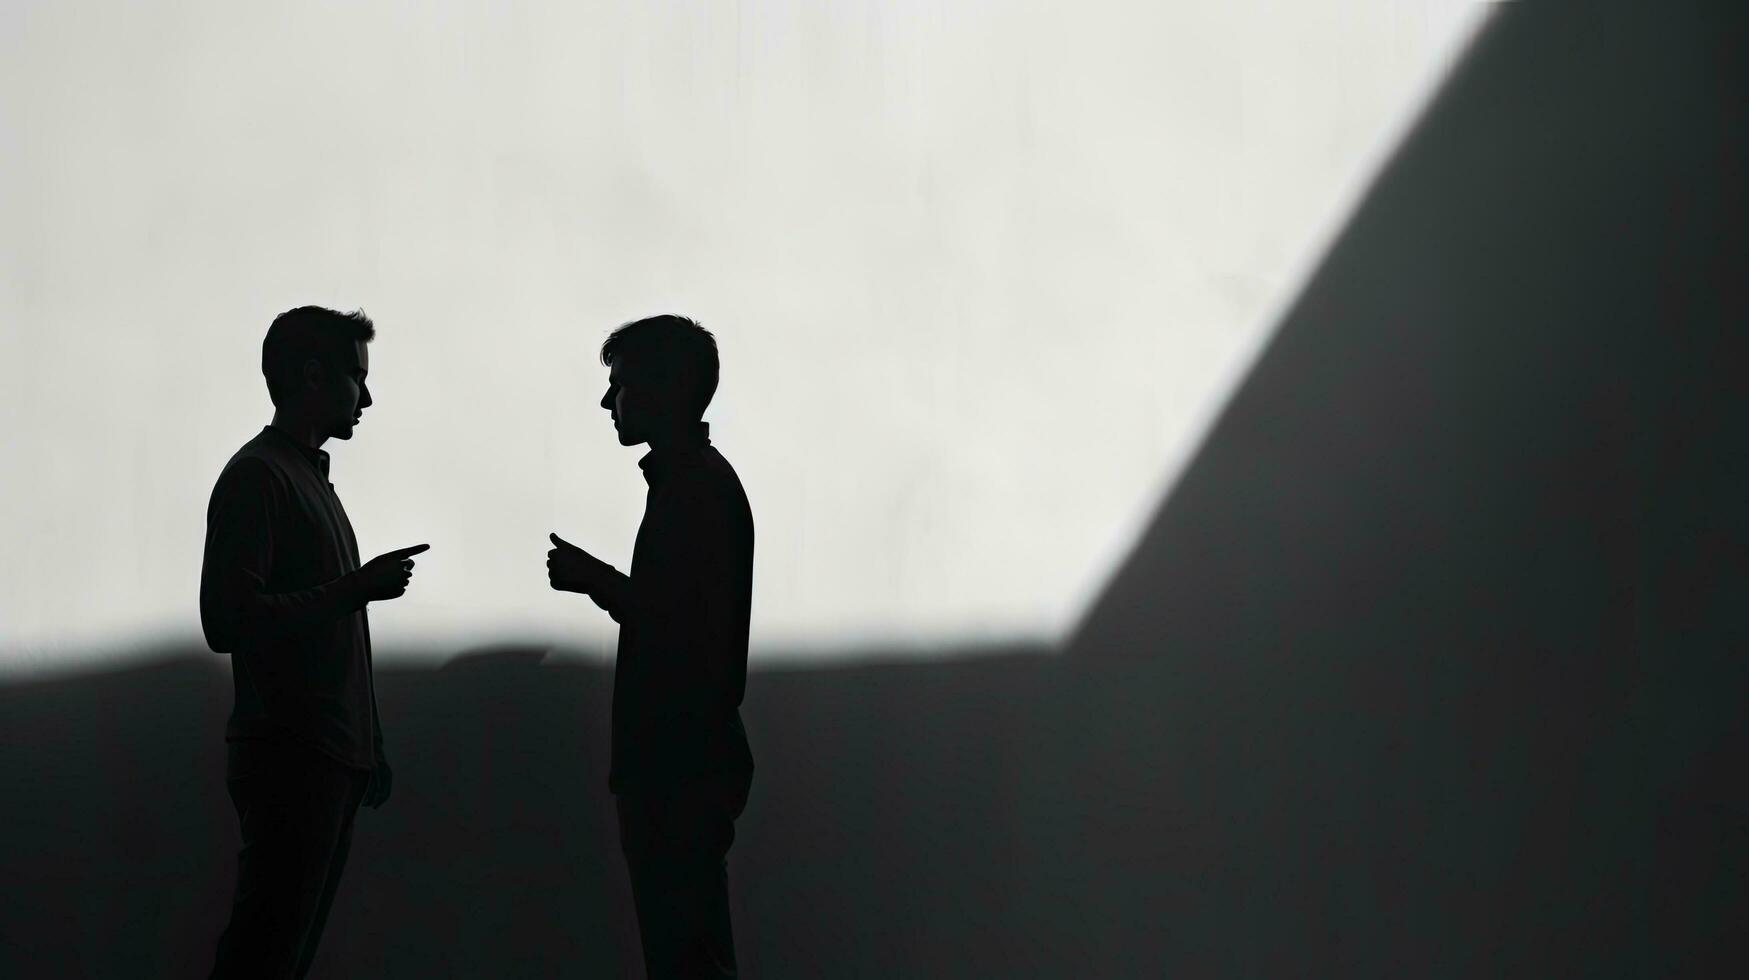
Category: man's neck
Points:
column 301, row 431
column 684, row 436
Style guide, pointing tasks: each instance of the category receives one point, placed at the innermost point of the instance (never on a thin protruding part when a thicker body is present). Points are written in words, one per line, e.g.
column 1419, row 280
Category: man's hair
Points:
column 671, row 350
column 306, row 332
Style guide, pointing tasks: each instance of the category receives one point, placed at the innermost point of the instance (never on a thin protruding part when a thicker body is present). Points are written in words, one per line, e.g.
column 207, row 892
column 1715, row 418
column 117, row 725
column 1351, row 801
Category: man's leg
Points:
column 356, row 783
column 288, row 802
column 676, row 842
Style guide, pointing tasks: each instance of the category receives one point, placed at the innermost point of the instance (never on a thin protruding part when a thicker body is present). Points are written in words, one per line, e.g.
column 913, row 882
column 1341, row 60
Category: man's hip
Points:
column 686, row 822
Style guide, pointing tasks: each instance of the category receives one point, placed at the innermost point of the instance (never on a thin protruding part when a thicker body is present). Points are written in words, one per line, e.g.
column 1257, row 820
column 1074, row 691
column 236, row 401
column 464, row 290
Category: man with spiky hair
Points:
column 282, row 592
column 681, row 768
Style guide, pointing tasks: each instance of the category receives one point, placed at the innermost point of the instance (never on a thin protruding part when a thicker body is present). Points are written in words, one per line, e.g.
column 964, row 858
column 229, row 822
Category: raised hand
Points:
column 570, row 568
column 386, row 576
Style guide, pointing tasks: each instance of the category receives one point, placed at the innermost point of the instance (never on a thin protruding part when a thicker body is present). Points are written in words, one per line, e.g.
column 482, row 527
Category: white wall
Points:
column 980, row 273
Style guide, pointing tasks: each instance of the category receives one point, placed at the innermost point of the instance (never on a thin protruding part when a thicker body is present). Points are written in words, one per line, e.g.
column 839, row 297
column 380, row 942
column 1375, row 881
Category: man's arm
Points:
column 690, row 596
column 612, row 591
column 376, row 723
column 571, row 569
column 382, row 777
column 234, row 601
column 709, row 598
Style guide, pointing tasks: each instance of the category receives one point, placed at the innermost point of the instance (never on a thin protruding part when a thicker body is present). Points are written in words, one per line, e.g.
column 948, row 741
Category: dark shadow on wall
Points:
column 1450, row 614
column 1012, row 813
column 891, row 830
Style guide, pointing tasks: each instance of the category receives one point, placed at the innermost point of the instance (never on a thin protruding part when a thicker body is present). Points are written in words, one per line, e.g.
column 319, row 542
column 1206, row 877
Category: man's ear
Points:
column 315, row 374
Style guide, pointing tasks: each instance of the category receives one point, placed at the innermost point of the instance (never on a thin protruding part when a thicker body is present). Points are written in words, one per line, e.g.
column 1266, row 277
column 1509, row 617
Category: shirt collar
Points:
column 317, row 457
column 658, row 463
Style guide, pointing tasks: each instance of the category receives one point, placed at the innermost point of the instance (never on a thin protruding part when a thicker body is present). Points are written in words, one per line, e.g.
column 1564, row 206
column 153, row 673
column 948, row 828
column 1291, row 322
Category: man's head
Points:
column 315, row 363
column 662, row 372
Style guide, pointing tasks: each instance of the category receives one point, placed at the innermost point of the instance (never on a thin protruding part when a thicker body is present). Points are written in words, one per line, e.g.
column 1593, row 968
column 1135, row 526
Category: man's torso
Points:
column 680, row 673
column 310, row 685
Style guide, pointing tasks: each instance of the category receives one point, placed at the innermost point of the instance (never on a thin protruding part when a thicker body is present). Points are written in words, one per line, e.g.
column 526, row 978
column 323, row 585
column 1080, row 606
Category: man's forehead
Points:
column 361, row 354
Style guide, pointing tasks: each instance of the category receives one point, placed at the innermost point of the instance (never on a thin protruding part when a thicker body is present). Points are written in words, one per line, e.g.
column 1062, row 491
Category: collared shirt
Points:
column 278, row 543
column 681, row 670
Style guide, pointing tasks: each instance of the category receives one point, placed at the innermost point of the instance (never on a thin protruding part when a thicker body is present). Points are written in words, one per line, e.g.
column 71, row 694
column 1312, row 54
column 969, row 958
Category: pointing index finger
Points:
column 410, row 552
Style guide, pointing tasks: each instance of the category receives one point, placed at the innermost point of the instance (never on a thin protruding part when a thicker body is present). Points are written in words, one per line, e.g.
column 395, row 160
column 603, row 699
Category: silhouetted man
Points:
column 282, row 592
column 681, row 767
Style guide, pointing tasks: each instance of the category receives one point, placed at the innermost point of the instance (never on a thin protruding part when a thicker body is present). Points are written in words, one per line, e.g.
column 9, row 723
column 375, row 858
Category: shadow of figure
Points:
column 907, row 824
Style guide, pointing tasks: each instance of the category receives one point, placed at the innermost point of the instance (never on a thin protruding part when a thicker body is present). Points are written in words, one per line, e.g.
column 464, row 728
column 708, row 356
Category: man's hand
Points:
column 571, row 569
column 381, row 779
column 386, row 576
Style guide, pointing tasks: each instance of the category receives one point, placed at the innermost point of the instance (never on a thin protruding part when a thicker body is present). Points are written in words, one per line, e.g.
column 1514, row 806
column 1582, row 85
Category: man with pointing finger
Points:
column 681, row 768
column 282, row 592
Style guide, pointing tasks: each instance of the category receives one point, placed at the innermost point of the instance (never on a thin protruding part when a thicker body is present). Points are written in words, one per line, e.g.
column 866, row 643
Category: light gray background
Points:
column 981, row 273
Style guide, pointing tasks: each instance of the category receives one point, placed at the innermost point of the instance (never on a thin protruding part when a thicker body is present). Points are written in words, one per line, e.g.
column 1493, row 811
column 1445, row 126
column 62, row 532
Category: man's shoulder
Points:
column 709, row 489
column 713, row 461
column 262, row 458
column 710, row 474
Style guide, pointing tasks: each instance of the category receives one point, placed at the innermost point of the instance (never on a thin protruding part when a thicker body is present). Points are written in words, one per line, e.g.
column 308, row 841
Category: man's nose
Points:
column 607, row 401
column 364, row 398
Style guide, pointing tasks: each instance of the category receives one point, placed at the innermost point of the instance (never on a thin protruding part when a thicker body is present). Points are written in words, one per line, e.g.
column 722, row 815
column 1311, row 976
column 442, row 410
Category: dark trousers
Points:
column 676, row 844
column 296, row 808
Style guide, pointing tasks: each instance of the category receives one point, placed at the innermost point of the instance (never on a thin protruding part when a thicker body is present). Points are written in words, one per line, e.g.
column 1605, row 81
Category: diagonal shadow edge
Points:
column 1446, row 680
column 1401, row 383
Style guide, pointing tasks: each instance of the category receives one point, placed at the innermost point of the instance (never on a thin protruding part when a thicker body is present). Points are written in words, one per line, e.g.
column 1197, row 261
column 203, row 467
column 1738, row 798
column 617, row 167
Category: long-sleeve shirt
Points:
column 272, row 595
column 681, row 670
